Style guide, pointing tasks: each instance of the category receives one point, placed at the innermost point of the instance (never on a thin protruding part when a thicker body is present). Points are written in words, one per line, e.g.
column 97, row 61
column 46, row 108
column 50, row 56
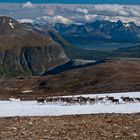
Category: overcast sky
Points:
column 78, row 1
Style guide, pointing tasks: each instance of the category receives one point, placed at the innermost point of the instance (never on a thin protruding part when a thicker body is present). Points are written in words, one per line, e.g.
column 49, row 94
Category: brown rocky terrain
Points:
column 114, row 76
column 78, row 127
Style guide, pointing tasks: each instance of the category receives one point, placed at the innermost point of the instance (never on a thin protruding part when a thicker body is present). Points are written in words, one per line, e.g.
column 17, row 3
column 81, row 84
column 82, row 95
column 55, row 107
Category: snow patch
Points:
column 61, row 19
column 14, row 99
column 31, row 108
column 82, row 10
column 27, row 91
column 83, row 62
column 25, row 21
column 126, row 25
column 12, row 25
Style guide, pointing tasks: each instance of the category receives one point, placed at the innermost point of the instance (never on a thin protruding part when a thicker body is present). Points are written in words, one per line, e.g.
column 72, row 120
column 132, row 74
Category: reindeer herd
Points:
column 87, row 100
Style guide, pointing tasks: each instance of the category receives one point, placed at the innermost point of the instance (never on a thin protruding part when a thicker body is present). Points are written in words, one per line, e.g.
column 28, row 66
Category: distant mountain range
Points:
column 96, row 31
column 105, row 31
column 74, row 52
column 69, row 34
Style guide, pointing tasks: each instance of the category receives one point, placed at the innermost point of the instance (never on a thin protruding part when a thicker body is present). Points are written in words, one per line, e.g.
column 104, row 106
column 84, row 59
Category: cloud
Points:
column 61, row 19
column 28, row 4
column 52, row 20
column 25, row 21
column 114, row 12
column 82, row 10
column 49, row 12
column 90, row 17
column 82, row 13
column 115, row 9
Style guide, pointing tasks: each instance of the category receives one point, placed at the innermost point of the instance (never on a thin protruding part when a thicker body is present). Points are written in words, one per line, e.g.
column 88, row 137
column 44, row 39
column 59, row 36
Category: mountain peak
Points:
column 4, row 19
column 9, row 26
column 7, row 21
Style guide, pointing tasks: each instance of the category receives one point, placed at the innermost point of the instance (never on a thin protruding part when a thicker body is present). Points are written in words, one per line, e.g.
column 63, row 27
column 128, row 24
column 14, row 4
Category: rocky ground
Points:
column 78, row 127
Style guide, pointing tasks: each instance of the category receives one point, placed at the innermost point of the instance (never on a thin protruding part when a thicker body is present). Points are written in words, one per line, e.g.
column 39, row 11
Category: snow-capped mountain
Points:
column 100, row 31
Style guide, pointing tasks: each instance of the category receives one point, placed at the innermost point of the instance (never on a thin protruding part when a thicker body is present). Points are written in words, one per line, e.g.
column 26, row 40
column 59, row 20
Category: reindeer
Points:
column 56, row 100
column 109, row 98
column 92, row 101
column 128, row 99
column 116, row 101
column 41, row 101
column 137, row 99
column 125, row 99
column 131, row 100
column 81, row 100
column 74, row 101
column 49, row 100
column 100, row 99
column 14, row 99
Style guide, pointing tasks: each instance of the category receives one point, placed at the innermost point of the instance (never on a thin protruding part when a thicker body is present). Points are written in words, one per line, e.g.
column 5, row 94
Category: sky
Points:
column 77, row 1
column 71, row 13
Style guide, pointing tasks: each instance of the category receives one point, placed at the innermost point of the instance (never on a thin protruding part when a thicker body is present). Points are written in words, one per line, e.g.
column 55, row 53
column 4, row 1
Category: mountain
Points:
column 75, row 52
column 72, row 51
column 24, row 51
column 100, row 31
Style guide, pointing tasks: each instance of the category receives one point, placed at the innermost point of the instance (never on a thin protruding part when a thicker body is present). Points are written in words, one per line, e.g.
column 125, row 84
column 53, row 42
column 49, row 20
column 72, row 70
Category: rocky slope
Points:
column 24, row 51
column 114, row 76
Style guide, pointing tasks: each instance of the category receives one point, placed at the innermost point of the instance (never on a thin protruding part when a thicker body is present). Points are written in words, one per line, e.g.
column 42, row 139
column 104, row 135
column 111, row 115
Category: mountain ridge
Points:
column 100, row 31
